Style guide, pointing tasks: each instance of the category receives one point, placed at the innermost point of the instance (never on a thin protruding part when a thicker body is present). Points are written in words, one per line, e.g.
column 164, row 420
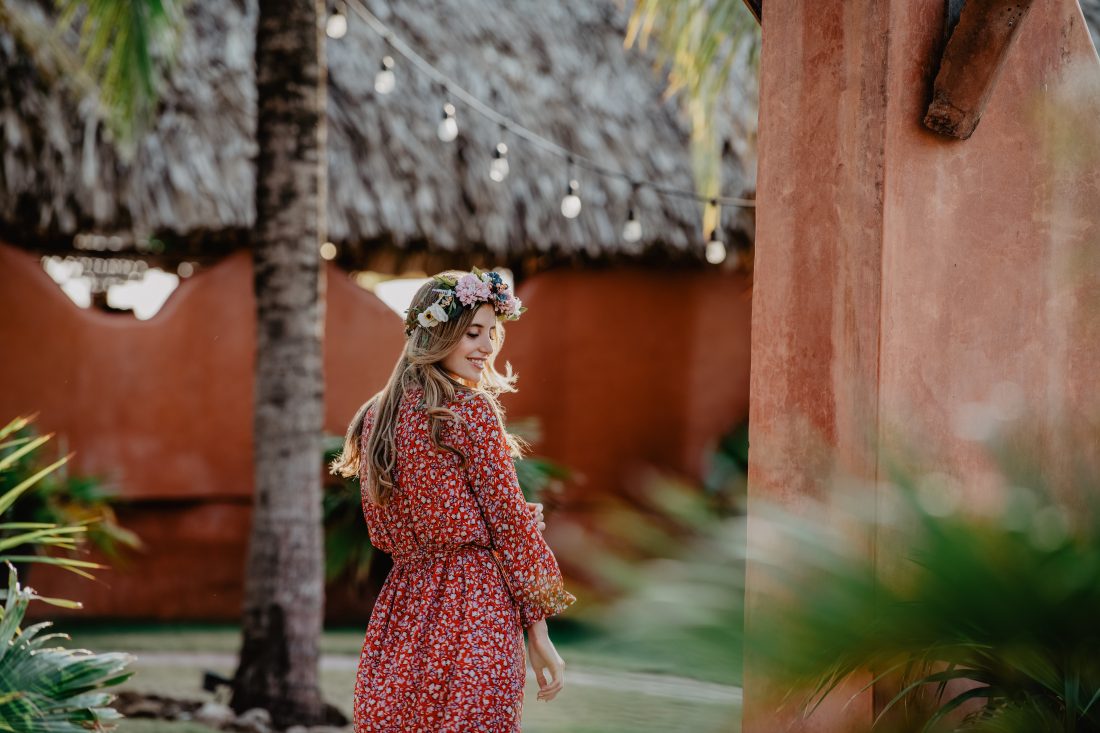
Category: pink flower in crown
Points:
column 471, row 289
column 509, row 307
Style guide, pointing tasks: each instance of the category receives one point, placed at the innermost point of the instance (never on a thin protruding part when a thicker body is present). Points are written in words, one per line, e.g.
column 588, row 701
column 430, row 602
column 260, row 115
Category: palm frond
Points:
column 122, row 49
column 995, row 608
column 124, row 44
column 26, row 446
column 699, row 42
column 50, row 689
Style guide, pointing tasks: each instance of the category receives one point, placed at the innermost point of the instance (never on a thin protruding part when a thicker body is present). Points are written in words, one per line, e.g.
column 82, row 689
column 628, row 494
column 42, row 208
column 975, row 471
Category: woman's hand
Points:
column 549, row 667
column 536, row 509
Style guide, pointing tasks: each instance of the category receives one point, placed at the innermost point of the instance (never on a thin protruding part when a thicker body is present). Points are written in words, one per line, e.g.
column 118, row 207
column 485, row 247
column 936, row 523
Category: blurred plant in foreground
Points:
column 674, row 552
column 980, row 617
column 970, row 602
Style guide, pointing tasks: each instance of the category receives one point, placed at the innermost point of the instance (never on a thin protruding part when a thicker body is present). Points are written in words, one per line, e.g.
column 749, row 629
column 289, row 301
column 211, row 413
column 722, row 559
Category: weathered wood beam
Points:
column 971, row 63
column 755, row 7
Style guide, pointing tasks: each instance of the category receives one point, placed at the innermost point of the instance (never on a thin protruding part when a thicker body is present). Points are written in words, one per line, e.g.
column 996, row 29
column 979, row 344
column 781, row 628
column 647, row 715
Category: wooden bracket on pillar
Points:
column 971, row 63
column 756, row 7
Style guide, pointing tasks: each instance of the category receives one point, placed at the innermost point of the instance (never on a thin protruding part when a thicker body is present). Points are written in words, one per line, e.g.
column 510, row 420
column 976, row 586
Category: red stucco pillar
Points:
column 900, row 274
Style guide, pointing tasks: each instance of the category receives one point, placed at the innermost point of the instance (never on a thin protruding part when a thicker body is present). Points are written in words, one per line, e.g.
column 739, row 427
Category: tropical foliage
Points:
column 699, row 41
column 113, row 51
column 979, row 618
column 15, row 451
column 45, row 688
column 727, row 477
column 684, row 603
column 58, row 498
column 974, row 617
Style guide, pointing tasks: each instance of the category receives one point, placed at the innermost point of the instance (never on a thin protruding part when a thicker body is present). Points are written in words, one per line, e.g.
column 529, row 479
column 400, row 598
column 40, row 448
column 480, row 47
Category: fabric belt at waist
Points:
column 429, row 552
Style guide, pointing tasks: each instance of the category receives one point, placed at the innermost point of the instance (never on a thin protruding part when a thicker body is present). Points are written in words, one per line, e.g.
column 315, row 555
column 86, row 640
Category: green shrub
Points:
column 978, row 617
column 45, row 688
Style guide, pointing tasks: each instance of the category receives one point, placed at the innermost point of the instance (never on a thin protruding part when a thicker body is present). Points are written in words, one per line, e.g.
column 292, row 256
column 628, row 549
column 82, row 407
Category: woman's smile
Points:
column 471, row 354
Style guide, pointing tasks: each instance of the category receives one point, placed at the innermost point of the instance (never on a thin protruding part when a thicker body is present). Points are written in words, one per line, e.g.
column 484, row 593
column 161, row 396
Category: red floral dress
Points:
column 444, row 645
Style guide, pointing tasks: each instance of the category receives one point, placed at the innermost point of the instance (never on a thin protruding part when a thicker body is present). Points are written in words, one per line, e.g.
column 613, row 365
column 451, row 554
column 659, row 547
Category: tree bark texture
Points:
column 284, row 585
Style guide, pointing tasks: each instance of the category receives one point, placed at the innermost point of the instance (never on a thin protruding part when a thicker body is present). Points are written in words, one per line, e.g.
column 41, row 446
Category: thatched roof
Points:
column 557, row 67
column 1091, row 9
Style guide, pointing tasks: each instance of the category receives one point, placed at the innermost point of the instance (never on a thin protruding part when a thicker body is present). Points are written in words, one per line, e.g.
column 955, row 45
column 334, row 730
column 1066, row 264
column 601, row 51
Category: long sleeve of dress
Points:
column 529, row 565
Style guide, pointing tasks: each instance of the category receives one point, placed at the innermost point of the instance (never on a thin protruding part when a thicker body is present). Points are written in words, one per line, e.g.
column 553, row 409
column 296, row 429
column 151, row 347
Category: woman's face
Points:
column 467, row 358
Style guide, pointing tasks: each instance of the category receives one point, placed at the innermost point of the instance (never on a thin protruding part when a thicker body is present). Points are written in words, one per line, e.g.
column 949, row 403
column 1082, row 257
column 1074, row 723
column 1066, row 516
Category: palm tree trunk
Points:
column 284, row 582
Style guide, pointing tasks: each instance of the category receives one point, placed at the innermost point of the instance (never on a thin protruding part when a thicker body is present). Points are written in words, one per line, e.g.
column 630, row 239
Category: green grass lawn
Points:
column 579, row 709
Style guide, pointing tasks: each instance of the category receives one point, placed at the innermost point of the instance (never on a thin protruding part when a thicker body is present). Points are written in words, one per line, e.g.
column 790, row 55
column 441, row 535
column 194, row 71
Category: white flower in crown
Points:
column 433, row 315
column 438, row 311
column 427, row 319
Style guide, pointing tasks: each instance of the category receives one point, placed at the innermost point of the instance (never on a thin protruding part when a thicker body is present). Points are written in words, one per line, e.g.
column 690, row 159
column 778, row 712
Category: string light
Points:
column 385, row 80
column 632, row 229
column 337, row 25
column 498, row 168
column 448, row 126
column 571, row 204
column 441, row 79
column 716, row 249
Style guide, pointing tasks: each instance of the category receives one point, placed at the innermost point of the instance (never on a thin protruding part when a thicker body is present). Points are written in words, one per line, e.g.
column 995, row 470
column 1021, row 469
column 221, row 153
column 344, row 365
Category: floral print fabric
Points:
column 444, row 645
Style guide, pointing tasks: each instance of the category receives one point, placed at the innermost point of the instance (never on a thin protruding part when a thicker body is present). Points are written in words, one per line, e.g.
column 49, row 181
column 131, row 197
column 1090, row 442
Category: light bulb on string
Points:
column 498, row 168
column 448, row 126
column 337, row 25
column 384, row 80
column 571, row 203
column 632, row 229
column 716, row 249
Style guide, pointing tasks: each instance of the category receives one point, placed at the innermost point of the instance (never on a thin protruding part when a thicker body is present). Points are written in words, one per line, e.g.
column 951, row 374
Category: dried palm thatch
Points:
column 1091, row 9
column 394, row 189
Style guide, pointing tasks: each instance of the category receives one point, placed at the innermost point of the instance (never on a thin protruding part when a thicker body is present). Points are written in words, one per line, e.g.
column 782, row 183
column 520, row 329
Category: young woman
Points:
column 444, row 644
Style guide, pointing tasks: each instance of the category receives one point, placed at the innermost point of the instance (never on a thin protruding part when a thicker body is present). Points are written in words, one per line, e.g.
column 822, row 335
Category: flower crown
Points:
column 467, row 291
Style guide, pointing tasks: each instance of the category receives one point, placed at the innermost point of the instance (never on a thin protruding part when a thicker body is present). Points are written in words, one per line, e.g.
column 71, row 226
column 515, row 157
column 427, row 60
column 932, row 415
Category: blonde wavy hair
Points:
column 420, row 364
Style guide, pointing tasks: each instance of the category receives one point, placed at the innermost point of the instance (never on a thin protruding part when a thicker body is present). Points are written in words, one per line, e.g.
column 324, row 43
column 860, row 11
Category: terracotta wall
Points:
column 623, row 368
column 630, row 367
column 900, row 275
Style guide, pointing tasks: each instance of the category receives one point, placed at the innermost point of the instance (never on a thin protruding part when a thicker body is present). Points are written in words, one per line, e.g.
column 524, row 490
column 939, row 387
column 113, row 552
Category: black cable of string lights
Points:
column 572, row 157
